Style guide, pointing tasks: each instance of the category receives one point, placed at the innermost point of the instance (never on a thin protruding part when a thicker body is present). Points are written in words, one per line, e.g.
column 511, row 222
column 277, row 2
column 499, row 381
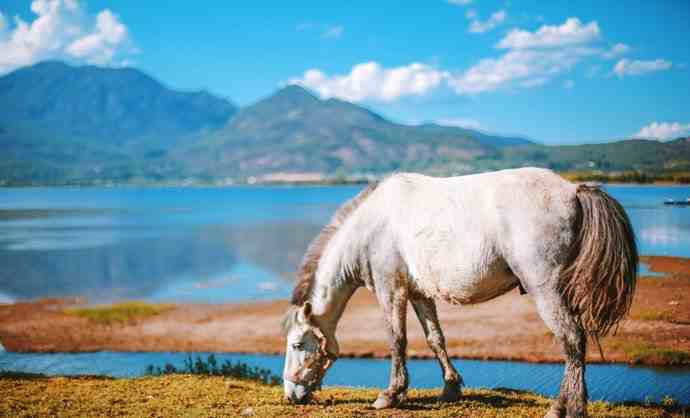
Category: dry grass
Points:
column 120, row 312
column 653, row 315
column 203, row 396
column 647, row 353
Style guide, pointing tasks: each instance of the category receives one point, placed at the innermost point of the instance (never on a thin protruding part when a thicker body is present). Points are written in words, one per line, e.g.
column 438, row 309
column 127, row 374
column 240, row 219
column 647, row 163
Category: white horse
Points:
column 464, row 240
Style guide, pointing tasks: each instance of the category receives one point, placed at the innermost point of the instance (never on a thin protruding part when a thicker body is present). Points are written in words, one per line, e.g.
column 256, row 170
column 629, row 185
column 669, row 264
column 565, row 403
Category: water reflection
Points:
column 187, row 264
column 209, row 245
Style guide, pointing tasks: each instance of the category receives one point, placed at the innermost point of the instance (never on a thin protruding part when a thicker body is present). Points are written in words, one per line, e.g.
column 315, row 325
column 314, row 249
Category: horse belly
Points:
column 477, row 284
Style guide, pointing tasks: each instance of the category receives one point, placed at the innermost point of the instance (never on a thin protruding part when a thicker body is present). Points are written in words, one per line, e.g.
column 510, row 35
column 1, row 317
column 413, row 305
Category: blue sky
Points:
column 557, row 72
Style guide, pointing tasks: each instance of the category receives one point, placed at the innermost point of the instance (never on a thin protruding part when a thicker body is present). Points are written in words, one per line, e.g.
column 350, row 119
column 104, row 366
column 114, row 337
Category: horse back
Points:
column 467, row 239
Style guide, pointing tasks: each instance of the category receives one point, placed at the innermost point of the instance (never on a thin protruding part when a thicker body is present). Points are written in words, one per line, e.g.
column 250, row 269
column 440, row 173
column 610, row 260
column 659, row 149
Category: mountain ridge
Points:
column 62, row 124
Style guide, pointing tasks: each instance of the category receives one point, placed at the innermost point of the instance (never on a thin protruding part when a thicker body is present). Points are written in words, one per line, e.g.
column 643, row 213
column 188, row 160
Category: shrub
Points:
column 210, row 367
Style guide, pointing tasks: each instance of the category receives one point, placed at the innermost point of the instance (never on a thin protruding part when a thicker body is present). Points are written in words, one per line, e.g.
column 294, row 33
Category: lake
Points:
column 605, row 382
column 210, row 244
column 232, row 244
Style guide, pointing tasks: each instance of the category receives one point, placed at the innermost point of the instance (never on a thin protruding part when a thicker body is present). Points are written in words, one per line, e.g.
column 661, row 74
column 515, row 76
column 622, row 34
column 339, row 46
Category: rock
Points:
column 247, row 412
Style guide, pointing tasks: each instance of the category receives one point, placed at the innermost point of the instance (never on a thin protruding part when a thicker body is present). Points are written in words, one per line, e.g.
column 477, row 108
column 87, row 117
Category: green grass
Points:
column 654, row 315
column 120, row 312
column 628, row 177
column 648, row 353
column 215, row 396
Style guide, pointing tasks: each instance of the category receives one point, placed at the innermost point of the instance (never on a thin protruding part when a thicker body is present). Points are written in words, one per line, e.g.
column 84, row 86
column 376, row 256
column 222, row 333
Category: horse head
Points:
column 309, row 353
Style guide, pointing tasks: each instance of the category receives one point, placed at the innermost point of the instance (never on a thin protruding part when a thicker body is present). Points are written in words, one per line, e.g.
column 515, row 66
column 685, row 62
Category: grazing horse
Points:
column 464, row 240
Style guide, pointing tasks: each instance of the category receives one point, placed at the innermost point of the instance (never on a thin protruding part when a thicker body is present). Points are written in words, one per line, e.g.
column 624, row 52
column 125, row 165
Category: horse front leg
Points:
column 393, row 299
column 426, row 312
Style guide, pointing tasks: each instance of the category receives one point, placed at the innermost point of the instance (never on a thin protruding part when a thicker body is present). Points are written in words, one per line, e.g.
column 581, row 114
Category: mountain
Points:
column 293, row 130
column 625, row 155
column 63, row 124
column 110, row 105
column 60, row 123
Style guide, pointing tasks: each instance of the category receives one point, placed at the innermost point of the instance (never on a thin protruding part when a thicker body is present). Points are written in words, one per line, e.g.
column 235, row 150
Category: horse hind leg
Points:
column 572, row 399
column 426, row 313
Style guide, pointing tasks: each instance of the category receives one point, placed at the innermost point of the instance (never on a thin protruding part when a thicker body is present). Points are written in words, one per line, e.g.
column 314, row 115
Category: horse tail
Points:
column 599, row 278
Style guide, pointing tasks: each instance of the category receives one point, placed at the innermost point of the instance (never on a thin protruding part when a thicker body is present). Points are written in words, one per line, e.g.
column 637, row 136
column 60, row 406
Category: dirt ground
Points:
column 657, row 330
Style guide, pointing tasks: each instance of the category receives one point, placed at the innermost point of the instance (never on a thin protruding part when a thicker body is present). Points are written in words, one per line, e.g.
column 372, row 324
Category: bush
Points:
column 210, row 367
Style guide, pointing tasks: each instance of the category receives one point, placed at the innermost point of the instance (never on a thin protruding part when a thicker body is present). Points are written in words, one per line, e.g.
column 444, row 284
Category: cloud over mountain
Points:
column 63, row 29
column 528, row 59
column 372, row 81
column 663, row 130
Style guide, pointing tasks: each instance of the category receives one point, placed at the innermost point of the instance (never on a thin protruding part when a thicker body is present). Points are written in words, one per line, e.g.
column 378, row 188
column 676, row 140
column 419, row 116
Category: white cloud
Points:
column 527, row 60
column 62, row 29
column 627, row 67
column 326, row 31
column 333, row 32
column 521, row 68
column 663, row 130
column 616, row 51
column 100, row 46
column 532, row 59
column 571, row 32
column 459, row 2
column 477, row 26
column 468, row 123
column 371, row 81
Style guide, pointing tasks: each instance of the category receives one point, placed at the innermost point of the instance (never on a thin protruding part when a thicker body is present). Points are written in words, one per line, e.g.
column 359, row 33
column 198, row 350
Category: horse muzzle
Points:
column 296, row 393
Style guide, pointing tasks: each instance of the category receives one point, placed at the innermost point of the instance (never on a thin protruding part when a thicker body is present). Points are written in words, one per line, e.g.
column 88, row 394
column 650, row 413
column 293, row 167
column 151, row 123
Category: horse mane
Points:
column 310, row 262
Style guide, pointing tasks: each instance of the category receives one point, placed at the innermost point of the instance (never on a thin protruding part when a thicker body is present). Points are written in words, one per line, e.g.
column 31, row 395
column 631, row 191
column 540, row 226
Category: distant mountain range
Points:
column 64, row 124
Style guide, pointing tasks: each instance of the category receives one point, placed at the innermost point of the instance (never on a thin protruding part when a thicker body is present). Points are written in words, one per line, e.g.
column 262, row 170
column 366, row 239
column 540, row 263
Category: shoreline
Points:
column 656, row 333
column 291, row 184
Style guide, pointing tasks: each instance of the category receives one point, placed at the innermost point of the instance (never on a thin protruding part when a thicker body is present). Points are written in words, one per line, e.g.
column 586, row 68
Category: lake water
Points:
column 243, row 243
column 210, row 244
column 613, row 383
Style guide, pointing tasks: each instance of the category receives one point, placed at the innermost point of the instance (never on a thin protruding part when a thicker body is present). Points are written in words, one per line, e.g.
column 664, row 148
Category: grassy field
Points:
column 119, row 312
column 215, row 396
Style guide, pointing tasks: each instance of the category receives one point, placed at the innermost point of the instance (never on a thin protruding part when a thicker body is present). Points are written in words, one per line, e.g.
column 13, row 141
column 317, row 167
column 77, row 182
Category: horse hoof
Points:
column 451, row 393
column 556, row 411
column 385, row 400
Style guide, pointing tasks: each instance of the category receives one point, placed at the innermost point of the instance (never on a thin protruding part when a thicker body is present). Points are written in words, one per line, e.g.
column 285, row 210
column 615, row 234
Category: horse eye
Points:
column 297, row 346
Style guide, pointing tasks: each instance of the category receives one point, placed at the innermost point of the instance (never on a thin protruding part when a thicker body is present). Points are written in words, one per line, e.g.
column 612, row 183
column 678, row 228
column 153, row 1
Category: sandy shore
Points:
column 508, row 328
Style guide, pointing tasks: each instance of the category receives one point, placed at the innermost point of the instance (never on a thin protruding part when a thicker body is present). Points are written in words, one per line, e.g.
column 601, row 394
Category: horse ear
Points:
column 306, row 311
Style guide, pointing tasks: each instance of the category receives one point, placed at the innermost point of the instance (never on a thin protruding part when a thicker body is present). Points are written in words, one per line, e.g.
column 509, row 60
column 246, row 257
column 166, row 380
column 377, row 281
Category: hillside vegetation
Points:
column 89, row 125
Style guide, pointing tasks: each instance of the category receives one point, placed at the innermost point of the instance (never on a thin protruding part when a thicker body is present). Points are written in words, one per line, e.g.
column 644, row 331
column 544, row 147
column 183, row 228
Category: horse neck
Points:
column 329, row 301
column 335, row 282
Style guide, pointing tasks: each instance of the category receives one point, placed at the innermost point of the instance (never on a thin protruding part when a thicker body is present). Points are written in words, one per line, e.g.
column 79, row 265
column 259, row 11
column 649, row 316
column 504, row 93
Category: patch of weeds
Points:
column 8, row 374
column 211, row 367
column 646, row 353
column 654, row 315
column 669, row 402
column 119, row 312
